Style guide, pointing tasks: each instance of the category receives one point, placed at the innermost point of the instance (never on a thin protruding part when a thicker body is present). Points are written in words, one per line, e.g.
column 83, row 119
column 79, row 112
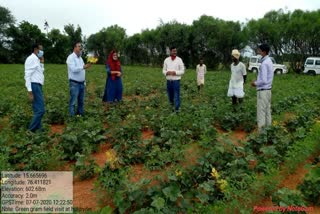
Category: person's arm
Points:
column 205, row 68
column 244, row 73
column 120, row 72
column 262, row 76
column 108, row 69
column 244, row 78
column 31, row 66
column 164, row 69
column 180, row 71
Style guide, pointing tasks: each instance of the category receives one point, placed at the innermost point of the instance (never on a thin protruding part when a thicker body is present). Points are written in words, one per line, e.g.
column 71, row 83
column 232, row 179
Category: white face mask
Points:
column 40, row 53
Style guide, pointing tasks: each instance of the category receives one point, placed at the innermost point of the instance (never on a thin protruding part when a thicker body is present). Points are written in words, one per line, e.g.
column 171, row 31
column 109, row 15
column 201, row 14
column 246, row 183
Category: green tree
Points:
column 6, row 19
column 106, row 40
column 177, row 35
column 21, row 40
column 135, row 51
column 74, row 35
column 213, row 39
column 58, row 47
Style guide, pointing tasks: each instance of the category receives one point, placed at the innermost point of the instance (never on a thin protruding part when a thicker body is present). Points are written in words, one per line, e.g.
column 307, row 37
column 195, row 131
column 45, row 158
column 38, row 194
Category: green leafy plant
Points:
column 310, row 186
column 287, row 198
column 84, row 167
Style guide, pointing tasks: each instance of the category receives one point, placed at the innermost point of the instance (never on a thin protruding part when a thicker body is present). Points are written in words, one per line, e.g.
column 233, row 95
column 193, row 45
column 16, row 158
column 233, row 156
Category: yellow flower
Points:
column 214, row 173
column 178, row 173
column 275, row 123
column 92, row 59
column 222, row 184
column 112, row 158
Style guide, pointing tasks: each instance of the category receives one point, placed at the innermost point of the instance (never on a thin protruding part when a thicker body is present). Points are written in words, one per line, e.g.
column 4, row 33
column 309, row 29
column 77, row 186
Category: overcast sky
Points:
column 136, row 15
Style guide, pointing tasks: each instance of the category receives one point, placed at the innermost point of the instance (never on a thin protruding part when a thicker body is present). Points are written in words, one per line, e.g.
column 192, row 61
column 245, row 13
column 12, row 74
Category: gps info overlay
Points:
column 36, row 192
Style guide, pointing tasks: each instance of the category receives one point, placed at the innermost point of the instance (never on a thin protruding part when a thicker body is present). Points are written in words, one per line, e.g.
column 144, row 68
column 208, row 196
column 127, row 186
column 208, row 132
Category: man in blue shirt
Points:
column 264, row 85
column 77, row 77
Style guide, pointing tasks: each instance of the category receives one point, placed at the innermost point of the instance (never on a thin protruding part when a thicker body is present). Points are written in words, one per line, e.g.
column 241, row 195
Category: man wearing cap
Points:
column 238, row 78
column 263, row 85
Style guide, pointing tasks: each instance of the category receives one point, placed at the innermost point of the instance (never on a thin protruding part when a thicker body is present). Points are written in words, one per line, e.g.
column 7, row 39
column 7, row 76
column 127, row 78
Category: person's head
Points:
column 37, row 49
column 114, row 55
column 263, row 49
column 200, row 61
column 173, row 51
column 235, row 55
column 77, row 48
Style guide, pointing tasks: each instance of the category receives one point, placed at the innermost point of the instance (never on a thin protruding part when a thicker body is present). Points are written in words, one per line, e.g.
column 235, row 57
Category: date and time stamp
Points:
column 36, row 192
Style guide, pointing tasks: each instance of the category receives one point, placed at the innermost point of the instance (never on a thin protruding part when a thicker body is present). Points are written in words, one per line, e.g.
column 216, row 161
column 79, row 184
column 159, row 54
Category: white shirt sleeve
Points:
column 244, row 69
column 180, row 71
column 31, row 66
column 164, row 70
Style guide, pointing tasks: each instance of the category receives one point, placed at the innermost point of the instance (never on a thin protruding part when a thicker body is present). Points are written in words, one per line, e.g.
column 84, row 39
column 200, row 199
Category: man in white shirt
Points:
column 173, row 69
column 77, row 77
column 201, row 71
column 34, row 78
column 238, row 78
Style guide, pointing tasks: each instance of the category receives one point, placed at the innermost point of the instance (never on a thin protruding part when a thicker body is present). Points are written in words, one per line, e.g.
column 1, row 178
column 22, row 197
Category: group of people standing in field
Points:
column 34, row 77
column 173, row 69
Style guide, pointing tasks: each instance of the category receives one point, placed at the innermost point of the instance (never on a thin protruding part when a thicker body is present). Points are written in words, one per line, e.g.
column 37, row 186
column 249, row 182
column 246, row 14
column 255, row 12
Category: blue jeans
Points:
column 37, row 107
column 173, row 90
column 76, row 95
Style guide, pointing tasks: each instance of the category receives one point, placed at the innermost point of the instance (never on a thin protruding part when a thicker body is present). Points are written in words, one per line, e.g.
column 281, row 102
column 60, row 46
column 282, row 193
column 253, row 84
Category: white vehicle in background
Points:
column 254, row 64
column 312, row 66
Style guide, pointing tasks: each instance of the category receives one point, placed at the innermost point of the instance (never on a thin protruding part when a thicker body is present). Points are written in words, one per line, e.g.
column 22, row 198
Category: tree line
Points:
column 293, row 36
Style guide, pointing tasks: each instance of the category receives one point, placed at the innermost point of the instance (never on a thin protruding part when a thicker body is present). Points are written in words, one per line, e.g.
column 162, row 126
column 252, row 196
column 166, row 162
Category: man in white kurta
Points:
column 201, row 71
column 238, row 78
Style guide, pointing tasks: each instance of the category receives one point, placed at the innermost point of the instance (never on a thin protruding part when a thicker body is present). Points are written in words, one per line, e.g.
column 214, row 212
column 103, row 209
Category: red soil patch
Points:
column 291, row 181
column 56, row 129
column 147, row 134
column 83, row 195
column 105, row 125
column 236, row 136
column 100, row 156
column 192, row 153
column 139, row 172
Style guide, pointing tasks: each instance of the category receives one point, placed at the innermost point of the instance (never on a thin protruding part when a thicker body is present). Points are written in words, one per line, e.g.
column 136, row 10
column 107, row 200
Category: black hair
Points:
column 172, row 47
column 35, row 46
column 75, row 43
column 265, row 48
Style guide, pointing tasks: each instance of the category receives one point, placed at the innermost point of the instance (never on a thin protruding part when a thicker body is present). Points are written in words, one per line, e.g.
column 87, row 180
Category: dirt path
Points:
column 291, row 181
column 236, row 136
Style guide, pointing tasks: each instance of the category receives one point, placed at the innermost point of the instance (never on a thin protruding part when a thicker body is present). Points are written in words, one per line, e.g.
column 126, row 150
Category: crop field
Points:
column 138, row 156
